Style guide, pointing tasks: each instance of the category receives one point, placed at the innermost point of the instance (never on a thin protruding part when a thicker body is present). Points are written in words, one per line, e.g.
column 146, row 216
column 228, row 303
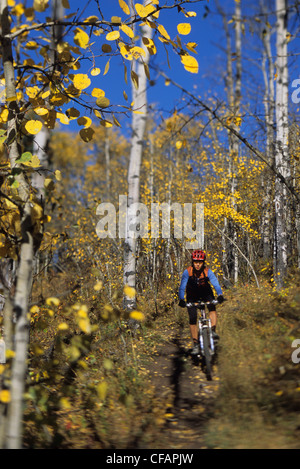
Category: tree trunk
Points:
column 139, row 96
column 282, row 164
column 269, row 104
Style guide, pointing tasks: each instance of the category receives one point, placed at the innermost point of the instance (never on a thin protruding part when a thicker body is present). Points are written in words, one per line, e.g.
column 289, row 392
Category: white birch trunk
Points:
column 24, row 273
column 139, row 96
column 269, row 104
column 282, row 165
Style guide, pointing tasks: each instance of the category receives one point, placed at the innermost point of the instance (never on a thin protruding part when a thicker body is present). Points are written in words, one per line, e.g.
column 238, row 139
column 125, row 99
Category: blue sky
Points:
column 163, row 98
column 207, row 32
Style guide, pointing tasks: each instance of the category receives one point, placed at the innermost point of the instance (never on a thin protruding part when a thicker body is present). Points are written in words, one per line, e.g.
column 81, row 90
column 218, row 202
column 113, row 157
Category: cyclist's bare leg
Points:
column 213, row 318
column 194, row 332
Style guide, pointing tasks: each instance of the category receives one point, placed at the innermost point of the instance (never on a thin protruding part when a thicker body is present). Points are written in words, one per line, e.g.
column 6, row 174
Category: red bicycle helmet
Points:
column 198, row 255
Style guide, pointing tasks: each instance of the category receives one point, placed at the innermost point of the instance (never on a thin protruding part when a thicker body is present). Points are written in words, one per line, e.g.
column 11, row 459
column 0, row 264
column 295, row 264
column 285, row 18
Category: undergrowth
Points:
column 89, row 384
column 259, row 395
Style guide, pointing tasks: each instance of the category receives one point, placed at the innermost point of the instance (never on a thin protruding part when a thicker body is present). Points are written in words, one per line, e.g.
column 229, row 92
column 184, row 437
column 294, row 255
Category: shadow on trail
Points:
column 178, row 368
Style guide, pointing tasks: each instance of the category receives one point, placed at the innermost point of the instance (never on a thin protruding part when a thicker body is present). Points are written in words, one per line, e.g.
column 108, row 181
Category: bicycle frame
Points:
column 204, row 322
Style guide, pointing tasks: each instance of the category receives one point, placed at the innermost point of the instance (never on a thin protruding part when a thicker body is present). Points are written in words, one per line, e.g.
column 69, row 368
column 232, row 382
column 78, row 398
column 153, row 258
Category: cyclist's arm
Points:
column 213, row 280
column 183, row 283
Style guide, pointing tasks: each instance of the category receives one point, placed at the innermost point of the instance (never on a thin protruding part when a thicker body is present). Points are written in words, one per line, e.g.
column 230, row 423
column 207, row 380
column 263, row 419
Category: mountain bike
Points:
column 207, row 348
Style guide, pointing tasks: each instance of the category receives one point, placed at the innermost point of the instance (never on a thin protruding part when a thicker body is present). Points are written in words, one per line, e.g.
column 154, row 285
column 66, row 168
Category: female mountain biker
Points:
column 195, row 282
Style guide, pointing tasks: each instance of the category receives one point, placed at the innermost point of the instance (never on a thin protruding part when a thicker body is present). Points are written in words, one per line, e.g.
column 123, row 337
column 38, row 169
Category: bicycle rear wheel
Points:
column 207, row 355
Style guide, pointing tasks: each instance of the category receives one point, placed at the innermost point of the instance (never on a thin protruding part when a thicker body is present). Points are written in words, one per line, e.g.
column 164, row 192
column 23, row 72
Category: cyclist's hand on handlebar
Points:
column 182, row 303
column 220, row 299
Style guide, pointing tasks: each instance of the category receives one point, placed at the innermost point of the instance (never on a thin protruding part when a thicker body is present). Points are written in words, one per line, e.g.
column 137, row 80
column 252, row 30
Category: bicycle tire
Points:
column 207, row 355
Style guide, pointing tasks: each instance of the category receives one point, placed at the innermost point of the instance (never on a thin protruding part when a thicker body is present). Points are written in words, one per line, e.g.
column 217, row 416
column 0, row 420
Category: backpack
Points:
column 203, row 279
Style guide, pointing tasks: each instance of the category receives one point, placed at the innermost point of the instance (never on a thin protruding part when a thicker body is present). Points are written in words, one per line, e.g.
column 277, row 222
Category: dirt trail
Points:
column 190, row 397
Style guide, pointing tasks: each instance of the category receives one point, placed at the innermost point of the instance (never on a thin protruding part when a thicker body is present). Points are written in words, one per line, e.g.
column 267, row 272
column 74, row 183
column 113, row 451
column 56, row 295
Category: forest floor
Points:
column 178, row 377
column 252, row 402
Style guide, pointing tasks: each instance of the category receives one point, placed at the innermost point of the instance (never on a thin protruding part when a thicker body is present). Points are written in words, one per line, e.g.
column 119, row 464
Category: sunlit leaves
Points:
column 137, row 315
column 149, row 43
column 129, row 291
column 190, row 63
column 81, row 38
column 33, row 127
column 124, row 7
column 98, row 93
column 127, row 30
column 144, row 11
column 113, row 35
column 40, row 5
column 161, row 29
column 81, row 81
column 5, row 396
column 95, row 71
column 184, row 28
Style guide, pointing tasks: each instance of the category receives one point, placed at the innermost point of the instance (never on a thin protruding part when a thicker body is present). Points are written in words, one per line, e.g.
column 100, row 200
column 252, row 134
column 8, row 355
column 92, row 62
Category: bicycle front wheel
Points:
column 207, row 355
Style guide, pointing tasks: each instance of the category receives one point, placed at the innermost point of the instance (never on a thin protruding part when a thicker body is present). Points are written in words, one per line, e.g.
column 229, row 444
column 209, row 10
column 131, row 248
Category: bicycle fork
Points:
column 206, row 325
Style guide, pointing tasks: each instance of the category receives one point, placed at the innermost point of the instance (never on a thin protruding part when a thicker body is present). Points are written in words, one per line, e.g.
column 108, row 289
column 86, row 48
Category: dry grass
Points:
column 259, row 398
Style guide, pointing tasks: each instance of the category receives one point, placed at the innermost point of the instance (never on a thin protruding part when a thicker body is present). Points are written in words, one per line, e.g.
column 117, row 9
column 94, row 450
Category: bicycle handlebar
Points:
column 199, row 304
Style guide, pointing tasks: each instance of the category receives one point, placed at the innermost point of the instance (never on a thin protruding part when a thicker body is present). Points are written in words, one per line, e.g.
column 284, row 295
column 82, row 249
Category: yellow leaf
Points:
column 191, row 46
column 41, row 111
column 98, row 286
column 189, row 14
column 85, row 325
column 64, row 403
column 62, row 118
column 127, row 30
column 95, row 71
column 137, row 52
column 102, row 390
column 81, row 81
column 98, row 93
column 124, row 7
column 33, row 127
column 63, row 326
column 57, row 175
column 37, row 212
column 81, row 38
column 129, row 291
column 115, row 20
column 5, row 396
column 137, row 315
column 34, row 162
column 49, row 184
column 52, row 300
column 190, row 63
column 149, row 43
column 106, row 68
column 163, row 32
column 113, row 36
column 40, row 5
column 178, row 144
column 144, row 11
column 184, row 28
column 125, row 52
